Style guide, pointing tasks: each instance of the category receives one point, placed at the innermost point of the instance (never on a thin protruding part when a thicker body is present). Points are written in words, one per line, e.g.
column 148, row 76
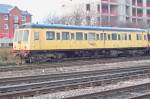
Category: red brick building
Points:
column 10, row 18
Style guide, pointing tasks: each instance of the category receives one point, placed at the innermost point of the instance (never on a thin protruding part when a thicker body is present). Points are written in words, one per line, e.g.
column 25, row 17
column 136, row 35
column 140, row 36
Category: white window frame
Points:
column 6, row 26
column 5, row 17
column 16, row 18
column 23, row 18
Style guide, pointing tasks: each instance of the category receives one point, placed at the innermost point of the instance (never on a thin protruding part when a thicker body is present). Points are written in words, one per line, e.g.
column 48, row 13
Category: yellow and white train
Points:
column 55, row 41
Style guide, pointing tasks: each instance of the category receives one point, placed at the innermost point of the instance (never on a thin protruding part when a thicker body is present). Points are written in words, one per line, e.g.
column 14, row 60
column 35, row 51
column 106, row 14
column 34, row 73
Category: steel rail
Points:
column 40, row 78
column 69, row 83
column 115, row 93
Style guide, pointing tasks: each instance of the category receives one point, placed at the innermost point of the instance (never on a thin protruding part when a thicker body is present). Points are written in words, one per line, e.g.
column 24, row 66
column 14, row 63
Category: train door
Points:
column 37, row 41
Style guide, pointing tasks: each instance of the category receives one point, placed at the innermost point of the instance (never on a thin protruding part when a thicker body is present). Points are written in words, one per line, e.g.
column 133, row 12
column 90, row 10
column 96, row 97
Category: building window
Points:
column 88, row 20
column 16, row 26
column 5, row 17
column 23, row 18
column 98, row 8
column 65, row 36
column 50, row 35
column 16, row 19
column 87, row 7
column 6, row 26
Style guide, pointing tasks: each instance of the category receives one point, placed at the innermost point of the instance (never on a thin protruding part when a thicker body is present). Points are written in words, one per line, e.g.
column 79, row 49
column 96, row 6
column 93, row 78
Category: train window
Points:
column 148, row 36
column 114, row 36
column 139, row 37
column 79, row 36
column 129, row 36
column 101, row 36
column 20, row 34
column 119, row 37
column 145, row 37
column 105, row 36
column 26, row 35
column 97, row 36
column 65, row 36
column 50, row 35
column 72, row 36
column 58, row 36
column 108, row 37
column 36, row 35
column 125, row 36
column 85, row 36
column 91, row 36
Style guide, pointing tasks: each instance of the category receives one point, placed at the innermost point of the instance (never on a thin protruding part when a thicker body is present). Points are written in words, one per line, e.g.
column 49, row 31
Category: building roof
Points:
column 61, row 26
column 5, row 8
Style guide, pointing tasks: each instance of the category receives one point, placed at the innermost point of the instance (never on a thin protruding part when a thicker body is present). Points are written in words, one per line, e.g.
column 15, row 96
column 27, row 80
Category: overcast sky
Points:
column 38, row 8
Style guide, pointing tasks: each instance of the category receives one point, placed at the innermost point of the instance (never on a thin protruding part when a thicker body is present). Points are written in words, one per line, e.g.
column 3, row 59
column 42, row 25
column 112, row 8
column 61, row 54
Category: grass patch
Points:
column 6, row 56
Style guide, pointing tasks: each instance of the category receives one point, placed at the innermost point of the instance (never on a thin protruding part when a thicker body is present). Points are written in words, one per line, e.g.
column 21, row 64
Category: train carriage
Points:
column 55, row 41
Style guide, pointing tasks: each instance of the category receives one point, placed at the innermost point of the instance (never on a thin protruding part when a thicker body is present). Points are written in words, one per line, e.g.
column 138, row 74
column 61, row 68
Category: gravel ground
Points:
column 64, row 69
column 65, row 94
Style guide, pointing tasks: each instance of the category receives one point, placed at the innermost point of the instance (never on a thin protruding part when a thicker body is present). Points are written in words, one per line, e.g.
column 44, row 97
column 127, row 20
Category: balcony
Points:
column 148, row 15
column 113, row 1
column 113, row 13
column 139, row 14
column 16, row 21
column 148, row 4
column 140, row 4
column 134, row 14
column 104, row 11
column 105, row 1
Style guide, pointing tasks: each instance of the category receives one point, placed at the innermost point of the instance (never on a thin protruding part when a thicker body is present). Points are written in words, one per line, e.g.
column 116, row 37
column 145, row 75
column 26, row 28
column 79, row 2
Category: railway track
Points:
column 141, row 91
column 68, row 63
column 53, row 83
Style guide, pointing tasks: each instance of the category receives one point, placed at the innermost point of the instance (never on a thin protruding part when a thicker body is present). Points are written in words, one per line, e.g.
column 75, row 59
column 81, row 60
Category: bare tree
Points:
column 52, row 19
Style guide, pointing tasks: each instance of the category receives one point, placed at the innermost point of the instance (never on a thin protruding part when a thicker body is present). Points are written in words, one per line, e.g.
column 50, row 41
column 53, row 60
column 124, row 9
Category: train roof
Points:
column 61, row 26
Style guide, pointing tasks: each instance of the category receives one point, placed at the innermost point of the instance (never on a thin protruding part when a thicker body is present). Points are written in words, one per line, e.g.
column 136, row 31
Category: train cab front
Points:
column 21, row 43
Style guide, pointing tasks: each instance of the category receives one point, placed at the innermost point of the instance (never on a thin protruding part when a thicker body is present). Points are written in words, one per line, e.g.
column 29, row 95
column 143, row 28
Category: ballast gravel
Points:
column 63, row 69
column 89, row 90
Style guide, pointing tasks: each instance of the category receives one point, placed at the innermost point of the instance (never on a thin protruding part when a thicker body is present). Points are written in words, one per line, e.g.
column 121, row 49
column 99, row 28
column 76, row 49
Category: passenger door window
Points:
column 36, row 35
column 26, row 35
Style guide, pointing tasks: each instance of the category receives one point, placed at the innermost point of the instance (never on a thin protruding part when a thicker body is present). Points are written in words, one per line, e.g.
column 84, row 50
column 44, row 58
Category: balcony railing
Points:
column 140, row 4
column 113, row 1
column 139, row 14
column 148, row 4
column 105, row 11
column 105, row 0
column 148, row 15
column 113, row 13
column 134, row 14
column 16, row 21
